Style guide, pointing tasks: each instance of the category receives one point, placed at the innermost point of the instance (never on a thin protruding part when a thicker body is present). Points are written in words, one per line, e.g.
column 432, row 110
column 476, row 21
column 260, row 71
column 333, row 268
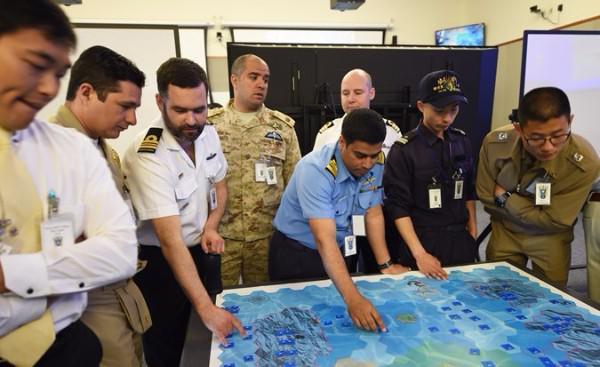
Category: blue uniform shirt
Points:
column 322, row 187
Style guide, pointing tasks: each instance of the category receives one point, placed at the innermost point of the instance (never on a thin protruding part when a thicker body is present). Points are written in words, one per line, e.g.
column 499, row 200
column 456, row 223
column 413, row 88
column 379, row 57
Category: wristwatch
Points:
column 500, row 200
column 385, row 265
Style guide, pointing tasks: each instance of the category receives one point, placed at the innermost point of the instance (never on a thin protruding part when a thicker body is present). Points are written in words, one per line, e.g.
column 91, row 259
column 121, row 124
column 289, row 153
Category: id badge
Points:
column 458, row 189
column 271, row 175
column 435, row 196
column 57, row 231
column 212, row 198
column 260, row 171
column 349, row 246
column 542, row 193
column 358, row 225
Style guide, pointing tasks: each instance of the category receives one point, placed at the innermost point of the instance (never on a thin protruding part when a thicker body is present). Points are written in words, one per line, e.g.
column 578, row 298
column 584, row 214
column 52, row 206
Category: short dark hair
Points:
column 543, row 104
column 43, row 15
column 365, row 125
column 180, row 72
column 103, row 68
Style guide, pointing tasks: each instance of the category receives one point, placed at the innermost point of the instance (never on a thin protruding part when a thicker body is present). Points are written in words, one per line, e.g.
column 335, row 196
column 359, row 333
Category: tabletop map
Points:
column 486, row 315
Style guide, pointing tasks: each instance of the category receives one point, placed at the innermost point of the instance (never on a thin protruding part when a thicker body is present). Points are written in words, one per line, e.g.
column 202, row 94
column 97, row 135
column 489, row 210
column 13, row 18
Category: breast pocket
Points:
column 342, row 212
column 183, row 193
column 212, row 169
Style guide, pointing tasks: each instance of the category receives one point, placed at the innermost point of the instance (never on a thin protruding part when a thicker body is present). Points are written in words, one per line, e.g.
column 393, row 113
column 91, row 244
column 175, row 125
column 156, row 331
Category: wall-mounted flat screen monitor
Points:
column 467, row 35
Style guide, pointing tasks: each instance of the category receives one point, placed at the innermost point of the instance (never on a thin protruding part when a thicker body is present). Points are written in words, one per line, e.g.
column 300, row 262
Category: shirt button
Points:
column 29, row 290
column 81, row 285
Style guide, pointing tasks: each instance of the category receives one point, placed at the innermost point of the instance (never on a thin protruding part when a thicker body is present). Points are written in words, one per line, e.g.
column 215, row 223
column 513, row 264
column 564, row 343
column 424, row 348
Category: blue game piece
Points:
column 521, row 317
column 579, row 364
column 248, row 358
column 339, row 316
column 474, row 351
column 229, row 365
column 484, row 327
column 553, row 301
column 247, row 327
column 327, row 322
column 279, row 332
column 289, row 364
column 466, row 310
column 346, row 324
column 446, row 308
column 547, row 362
column 456, row 303
column 507, row 346
column 228, row 345
column 292, row 352
column 565, row 363
column 511, row 310
column 474, row 318
column 280, row 353
column 248, row 337
column 534, row 350
column 455, row 331
column 455, row 317
column 488, row 364
column 229, row 336
column 434, row 329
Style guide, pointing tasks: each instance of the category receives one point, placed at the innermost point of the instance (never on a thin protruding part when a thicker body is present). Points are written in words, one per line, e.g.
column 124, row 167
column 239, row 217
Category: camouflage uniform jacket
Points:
column 269, row 137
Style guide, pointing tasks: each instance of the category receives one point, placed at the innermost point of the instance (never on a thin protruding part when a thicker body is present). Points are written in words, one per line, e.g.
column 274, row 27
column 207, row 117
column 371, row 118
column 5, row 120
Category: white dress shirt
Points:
column 58, row 278
column 167, row 182
column 332, row 135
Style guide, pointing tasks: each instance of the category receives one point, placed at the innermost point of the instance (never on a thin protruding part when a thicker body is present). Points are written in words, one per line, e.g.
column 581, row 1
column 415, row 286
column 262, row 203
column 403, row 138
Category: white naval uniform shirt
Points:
column 332, row 135
column 167, row 182
column 64, row 161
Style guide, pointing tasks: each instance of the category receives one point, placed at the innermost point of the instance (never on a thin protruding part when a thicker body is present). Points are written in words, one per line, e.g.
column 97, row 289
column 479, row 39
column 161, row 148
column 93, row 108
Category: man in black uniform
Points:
column 428, row 183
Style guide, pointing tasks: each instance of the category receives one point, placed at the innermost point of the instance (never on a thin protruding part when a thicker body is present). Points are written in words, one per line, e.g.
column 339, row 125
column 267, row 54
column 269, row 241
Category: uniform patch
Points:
column 332, row 167
column 325, row 127
column 150, row 142
column 502, row 136
column 577, row 157
column 274, row 135
column 392, row 125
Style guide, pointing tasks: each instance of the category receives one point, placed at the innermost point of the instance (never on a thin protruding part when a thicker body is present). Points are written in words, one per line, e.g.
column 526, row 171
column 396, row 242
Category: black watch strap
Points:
column 385, row 265
column 500, row 200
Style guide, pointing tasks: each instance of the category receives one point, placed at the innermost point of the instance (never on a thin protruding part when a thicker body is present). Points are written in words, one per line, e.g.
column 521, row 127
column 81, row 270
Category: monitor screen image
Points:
column 468, row 35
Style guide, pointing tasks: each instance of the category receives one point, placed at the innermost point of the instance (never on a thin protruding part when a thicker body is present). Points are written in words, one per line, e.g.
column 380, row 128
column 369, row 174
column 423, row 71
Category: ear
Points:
column 371, row 94
column 234, row 81
column 517, row 127
column 85, row 91
column 159, row 102
column 420, row 106
column 342, row 143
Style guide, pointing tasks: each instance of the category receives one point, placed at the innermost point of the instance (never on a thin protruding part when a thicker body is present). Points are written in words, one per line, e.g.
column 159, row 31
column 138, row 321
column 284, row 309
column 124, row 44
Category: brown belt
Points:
column 594, row 196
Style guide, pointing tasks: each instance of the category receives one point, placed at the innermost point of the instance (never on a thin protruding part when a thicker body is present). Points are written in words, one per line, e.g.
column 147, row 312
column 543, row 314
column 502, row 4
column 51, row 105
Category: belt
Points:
column 594, row 196
column 449, row 228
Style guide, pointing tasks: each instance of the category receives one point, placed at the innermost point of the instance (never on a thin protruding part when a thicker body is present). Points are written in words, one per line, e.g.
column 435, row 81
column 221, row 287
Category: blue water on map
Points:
column 483, row 317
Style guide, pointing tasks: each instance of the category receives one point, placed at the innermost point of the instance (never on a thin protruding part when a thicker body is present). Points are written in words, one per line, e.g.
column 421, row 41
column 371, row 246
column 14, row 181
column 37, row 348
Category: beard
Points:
column 183, row 133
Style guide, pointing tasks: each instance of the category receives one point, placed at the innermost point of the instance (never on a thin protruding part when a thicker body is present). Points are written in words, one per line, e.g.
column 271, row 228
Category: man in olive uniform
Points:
column 104, row 91
column 533, row 178
column 262, row 149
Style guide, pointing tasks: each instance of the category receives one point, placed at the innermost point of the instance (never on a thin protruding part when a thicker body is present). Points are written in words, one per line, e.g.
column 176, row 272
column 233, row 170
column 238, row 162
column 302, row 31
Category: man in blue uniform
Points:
column 333, row 196
column 429, row 186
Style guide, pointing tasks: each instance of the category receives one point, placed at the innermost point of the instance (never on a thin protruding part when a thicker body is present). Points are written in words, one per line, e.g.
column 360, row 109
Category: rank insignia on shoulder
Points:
column 380, row 158
column 325, row 127
column 402, row 140
column 274, row 135
column 392, row 125
column 502, row 136
column 461, row 132
column 150, row 142
column 332, row 167
column 578, row 157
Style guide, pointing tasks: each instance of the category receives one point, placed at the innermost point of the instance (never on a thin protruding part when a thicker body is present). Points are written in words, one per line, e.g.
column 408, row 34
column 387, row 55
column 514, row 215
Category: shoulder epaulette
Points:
column 283, row 117
column 215, row 111
column 115, row 157
column 380, row 158
column 403, row 139
column 331, row 166
column 150, row 142
column 461, row 132
column 391, row 124
column 325, row 127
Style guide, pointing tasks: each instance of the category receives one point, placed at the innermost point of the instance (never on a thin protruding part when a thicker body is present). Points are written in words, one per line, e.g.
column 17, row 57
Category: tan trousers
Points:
column 246, row 259
column 118, row 314
column 550, row 254
column 591, row 226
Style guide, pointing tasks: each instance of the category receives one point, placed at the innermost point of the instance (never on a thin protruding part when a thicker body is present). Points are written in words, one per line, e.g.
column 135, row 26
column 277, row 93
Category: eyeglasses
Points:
column 554, row 140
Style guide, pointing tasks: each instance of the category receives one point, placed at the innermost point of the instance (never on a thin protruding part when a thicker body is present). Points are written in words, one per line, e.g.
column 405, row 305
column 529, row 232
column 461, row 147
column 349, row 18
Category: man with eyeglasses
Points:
column 533, row 178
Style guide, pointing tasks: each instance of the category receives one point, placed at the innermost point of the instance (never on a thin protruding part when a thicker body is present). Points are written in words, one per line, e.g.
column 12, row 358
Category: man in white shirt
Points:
column 176, row 172
column 69, row 195
column 357, row 91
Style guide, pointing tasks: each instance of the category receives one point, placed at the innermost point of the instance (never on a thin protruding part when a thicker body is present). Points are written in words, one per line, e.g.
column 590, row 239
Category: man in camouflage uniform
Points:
column 261, row 149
